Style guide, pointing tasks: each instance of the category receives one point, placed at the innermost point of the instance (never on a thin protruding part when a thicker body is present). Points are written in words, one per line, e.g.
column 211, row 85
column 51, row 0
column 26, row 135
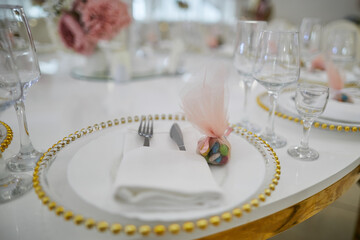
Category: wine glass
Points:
column 340, row 53
column 310, row 102
column 247, row 40
column 277, row 65
column 23, row 49
column 341, row 46
column 11, row 185
column 310, row 39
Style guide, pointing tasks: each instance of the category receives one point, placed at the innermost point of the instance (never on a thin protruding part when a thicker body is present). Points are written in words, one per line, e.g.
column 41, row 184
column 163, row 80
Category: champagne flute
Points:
column 277, row 65
column 248, row 33
column 310, row 40
column 11, row 185
column 310, row 102
column 25, row 59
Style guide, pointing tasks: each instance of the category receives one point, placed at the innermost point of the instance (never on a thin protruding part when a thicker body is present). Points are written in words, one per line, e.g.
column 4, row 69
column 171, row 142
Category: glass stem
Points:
column 247, row 87
column 4, row 174
column 248, row 81
column 269, row 130
column 26, row 146
column 304, row 142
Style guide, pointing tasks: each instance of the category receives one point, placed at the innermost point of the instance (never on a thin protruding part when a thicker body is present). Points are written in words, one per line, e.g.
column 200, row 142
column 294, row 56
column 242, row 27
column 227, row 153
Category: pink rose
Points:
column 73, row 36
column 104, row 19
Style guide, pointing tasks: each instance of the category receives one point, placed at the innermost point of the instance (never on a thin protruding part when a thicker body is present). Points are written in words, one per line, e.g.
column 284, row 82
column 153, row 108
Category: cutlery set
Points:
column 146, row 130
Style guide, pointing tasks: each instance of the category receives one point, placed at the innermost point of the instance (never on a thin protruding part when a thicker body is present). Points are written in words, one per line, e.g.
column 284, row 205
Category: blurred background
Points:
column 162, row 31
column 201, row 21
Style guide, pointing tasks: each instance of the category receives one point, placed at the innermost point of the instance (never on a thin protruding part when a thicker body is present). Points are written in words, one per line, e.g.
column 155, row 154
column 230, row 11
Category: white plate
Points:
column 250, row 171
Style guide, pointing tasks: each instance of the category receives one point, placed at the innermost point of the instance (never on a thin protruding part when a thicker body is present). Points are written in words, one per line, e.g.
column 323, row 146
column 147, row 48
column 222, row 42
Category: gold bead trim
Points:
column 331, row 127
column 202, row 224
column 116, row 228
column 145, row 230
column 174, row 228
column 159, row 230
column 8, row 138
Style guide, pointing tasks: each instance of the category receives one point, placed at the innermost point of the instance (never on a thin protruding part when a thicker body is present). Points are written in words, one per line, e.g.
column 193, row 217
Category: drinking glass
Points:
column 11, row 185
column 310, row 39
column 25, row 59
column 277, row 65
column 341, row 46
column 310, row 102
column 340, row 52
column 247, row 40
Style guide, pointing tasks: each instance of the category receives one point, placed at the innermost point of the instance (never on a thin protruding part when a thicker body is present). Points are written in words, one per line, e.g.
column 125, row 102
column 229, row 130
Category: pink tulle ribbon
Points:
column 318, row 63
column 335, row 80
column 205, row 107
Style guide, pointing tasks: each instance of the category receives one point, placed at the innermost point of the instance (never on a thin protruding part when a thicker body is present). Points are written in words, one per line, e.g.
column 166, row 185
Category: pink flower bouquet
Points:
column 89, row 21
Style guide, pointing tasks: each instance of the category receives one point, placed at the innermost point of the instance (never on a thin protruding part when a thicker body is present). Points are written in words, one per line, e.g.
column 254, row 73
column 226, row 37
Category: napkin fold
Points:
column 163, row 178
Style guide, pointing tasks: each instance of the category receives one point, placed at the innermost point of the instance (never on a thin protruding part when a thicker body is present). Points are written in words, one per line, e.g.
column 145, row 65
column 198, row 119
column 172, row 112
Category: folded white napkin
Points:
column 161, row 177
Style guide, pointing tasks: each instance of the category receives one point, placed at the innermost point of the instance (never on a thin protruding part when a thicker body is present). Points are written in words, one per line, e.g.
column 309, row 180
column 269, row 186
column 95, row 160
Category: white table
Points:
column 58, row 105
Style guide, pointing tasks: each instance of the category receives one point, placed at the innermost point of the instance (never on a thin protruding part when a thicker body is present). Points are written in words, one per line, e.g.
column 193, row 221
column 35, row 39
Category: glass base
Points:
column 303, row 154
column 24, row 162
column 273, row 140
column 14, row 186
column 251, row 127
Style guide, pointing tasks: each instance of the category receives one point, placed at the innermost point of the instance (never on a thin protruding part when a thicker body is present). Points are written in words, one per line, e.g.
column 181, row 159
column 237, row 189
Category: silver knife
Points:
column 176, row 135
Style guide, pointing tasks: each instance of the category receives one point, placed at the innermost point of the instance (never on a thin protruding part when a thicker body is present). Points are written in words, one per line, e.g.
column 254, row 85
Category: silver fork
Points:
column 146, row 129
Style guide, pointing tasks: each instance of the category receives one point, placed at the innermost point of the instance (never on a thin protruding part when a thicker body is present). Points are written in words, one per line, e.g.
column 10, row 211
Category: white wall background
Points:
column 327, row 10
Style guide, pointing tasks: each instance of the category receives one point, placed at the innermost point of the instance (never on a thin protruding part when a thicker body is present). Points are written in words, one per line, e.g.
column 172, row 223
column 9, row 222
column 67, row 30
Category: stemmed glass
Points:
column 310, row 102
column 340, row 52
column 277, row 65
column 11, row 186
column 310, row 39
column 23, row 49
column 341, row 46
column 247, row 40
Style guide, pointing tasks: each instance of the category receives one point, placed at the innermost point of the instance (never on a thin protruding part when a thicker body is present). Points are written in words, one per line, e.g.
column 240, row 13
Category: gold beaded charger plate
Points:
column 6, row 136
column 337, row 116
column 246, row 181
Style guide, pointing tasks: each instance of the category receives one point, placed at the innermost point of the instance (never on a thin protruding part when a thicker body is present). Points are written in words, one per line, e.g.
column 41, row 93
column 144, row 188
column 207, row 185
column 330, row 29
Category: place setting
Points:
column 341, row 113
column 338, row 116
column 179, row 169
column 317, row 49
column 335, row 64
